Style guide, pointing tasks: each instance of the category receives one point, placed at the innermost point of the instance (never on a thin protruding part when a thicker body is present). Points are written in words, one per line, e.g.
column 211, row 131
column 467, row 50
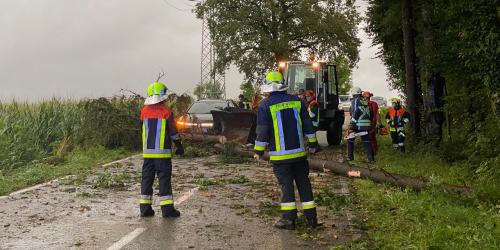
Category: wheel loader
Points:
column 238, row 125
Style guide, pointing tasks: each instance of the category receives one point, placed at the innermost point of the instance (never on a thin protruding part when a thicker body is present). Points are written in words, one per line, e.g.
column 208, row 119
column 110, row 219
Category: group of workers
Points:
column 286, row 126
column 365, row 123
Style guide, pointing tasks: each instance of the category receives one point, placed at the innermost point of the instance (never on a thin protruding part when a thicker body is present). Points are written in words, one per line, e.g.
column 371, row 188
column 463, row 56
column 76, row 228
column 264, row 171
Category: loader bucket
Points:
column 235, row 125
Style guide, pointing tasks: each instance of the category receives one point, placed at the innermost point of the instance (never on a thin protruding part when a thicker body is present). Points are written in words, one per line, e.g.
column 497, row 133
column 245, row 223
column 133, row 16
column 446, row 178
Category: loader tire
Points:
column 334, row 132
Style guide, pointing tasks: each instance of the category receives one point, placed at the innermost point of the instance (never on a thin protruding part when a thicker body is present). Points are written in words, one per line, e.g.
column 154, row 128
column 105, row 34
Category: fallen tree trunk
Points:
column 345, row 169
column 200, row 138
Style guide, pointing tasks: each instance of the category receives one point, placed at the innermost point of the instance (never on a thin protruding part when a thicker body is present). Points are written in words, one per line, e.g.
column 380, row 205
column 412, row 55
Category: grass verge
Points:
column 434, row 218
column 78, row 162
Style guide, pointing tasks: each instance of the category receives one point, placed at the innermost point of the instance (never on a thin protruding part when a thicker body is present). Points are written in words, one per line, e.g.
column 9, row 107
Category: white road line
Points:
column 138, row 231
column 127, row 239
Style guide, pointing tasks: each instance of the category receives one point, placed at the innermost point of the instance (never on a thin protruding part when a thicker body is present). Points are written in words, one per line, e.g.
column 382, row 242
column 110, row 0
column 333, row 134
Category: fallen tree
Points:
column 345, row 169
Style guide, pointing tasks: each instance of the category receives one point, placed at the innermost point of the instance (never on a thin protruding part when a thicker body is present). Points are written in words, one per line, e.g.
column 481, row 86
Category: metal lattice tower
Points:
column 208, row 56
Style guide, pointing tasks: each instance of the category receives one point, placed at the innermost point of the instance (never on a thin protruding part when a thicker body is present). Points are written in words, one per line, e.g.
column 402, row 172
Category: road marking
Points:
column 127, row 239
column 138, row 231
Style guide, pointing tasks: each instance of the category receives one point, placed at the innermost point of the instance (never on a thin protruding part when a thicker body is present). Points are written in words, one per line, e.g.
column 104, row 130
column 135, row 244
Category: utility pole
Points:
column 208, row 75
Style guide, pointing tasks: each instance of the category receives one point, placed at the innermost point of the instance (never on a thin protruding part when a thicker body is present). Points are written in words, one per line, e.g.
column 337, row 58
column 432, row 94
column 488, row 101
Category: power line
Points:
column 175, row 7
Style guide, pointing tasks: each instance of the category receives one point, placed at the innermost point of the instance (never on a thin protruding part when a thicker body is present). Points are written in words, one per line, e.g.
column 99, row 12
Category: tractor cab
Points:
column 322, row 79
column 315, row 76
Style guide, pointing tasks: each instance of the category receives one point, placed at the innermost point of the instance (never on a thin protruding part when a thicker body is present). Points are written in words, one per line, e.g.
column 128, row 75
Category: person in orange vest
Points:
column 374, row 121
column 158, row 133
column 397, row 118
column 313, row 108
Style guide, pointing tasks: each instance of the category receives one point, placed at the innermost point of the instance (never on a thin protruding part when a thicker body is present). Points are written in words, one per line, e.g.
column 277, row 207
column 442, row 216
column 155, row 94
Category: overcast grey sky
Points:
column 90, row 48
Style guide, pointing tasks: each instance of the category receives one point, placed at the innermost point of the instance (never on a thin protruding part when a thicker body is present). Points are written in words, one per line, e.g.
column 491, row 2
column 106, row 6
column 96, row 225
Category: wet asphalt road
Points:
column 235, row 212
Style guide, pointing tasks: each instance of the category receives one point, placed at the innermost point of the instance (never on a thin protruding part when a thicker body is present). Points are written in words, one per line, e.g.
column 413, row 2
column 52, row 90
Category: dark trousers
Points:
column 162, row 168
column 372, row 133
column 297, row 172
column 398, row 140
column 365, row 139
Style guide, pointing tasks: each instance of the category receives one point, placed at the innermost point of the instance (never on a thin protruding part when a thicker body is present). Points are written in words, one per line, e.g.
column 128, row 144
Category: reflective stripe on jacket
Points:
column 396, row 119
column 158, row 131
column 313, row 110
column 360, row 114
column 282, row 123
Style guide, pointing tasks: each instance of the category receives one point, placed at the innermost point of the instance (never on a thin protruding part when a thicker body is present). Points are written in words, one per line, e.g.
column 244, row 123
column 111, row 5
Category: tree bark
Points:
column 412, row 95
column 342, row 168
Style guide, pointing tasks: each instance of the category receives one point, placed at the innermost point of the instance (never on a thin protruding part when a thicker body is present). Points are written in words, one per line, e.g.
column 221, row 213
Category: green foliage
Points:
column 108, row 180
column 78, row 162
column 110, row 122
column 36, row 132
column 254, row 35
column 459, row 40
column 209, row 91
column 247, row 90
column 344, row 72
column 432, row 219
column 179, row 104
column 230, row 156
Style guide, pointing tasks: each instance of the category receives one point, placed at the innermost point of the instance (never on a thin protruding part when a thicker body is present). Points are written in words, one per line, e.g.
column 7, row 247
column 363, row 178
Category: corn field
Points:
column 39, row 131
column 46, row 131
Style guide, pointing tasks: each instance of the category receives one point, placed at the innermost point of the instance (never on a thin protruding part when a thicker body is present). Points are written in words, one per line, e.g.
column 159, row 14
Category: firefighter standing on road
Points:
column 158, row 132
column 359, row 126
column 397, row 117
column 282, row 121
column 313, row 109
column 374, row 122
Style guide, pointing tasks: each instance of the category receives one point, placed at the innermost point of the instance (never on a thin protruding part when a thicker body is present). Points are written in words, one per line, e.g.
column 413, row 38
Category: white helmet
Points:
column 356, row 91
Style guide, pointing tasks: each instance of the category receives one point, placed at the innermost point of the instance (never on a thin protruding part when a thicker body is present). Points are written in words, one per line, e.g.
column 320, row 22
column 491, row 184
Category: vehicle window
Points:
column 206, row 107
column 301, row 77
column 344, row 98
column 332, row 89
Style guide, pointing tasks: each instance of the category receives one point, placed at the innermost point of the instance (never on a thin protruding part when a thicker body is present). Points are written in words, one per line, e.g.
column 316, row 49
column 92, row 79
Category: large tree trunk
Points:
column 345, row 169
column 412, row 95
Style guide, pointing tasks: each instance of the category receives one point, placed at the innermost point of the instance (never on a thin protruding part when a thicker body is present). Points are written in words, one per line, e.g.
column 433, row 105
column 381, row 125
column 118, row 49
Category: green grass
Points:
column 434, row 218
column 78, row 162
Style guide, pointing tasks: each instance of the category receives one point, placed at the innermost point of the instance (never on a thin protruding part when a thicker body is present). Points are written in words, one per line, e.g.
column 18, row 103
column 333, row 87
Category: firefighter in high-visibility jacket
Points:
column 397, row 118
column 158, row 132
column 359, row 125
column 282, row 123
column 313, row 108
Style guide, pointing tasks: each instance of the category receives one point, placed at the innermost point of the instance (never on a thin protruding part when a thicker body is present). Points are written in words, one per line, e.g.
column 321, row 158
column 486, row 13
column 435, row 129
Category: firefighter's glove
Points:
column 179, row 148
column 313, row 147
column 258, row 155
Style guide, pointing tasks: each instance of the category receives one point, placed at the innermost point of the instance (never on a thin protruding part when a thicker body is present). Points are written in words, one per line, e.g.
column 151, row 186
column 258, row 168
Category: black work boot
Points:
column 312, row 218
column 168, row 211
column 147, row 211
column 285, row 223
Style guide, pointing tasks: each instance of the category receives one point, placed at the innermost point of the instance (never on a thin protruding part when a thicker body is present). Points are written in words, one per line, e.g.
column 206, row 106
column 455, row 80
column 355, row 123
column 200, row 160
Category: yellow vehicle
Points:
column 239, row 125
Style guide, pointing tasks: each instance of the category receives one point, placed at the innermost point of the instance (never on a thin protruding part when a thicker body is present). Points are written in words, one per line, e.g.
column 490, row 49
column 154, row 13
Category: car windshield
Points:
column 300, row 77
column 206, row 107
